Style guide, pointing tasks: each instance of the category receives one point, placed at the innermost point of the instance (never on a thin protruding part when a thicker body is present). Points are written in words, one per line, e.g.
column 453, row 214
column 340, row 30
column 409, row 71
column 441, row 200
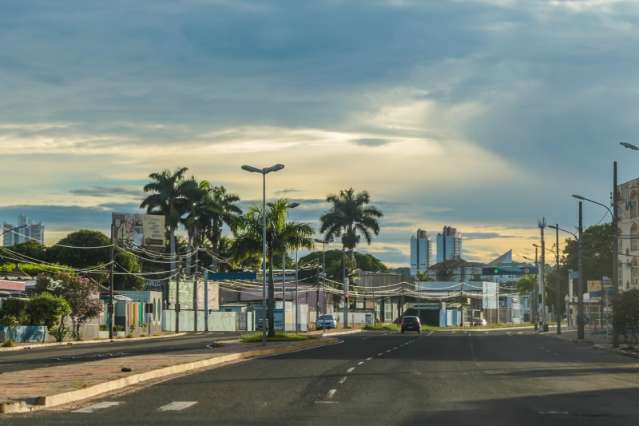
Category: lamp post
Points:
column 288, row 206
column 614, row 244
column 263, row 172
column 580, row 285
column 323, row 242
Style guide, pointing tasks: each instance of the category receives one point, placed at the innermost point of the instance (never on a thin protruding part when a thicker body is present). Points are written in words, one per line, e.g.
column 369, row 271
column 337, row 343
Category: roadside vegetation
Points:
column 256, row 336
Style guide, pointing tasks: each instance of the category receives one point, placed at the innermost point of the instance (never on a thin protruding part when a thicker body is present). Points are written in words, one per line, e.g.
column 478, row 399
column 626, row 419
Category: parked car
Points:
column 411, row 323
column 326, row 321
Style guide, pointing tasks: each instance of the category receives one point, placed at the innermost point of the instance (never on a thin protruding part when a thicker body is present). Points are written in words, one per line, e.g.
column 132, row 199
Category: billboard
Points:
column 141, row 230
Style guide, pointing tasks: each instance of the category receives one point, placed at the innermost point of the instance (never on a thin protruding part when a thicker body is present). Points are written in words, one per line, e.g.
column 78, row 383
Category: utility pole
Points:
column 345, row 278
column 535, row 296
column 111, row 285
column 284, row 291
column 542, row 276
column 615, row 247
column 580, row 285
column 297, row 281
column 558, row 287
column 177, row 294
column 206, row 300
column 195, row 304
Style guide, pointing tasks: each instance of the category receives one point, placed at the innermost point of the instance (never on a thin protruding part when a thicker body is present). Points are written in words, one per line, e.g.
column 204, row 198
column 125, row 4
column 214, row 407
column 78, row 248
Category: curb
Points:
column 88, row 342
column 49, row 401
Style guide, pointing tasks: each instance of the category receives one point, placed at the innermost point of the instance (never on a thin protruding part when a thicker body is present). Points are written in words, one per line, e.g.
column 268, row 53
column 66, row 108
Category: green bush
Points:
column 47, row 309
column 279, row 337
column 14, row 312
column 625, row 318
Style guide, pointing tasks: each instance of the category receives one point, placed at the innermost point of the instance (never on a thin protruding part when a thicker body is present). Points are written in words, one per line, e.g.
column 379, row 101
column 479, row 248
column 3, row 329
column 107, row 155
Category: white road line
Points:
column 98, row 406
column 177, row 406
column 342, row 380
column 350, row 370
column 331, row 393
column 395, row 348
column 380, row 354
column 360, row 363
column 388, row 350
column 369, row 358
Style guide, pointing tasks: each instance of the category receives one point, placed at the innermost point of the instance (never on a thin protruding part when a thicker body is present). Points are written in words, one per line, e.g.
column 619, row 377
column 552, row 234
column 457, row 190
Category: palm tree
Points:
column 228, row 215
column 350, row 217
column 281, row 234
column 168, row 198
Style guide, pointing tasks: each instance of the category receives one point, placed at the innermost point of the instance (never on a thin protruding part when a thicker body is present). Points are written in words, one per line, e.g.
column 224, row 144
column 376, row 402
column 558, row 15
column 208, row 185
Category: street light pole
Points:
column 580, row 285
column 263, row 172
column 542, row 276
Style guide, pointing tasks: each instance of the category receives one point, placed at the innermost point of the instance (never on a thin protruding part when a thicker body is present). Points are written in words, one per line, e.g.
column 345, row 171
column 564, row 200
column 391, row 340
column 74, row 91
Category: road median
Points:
column 37, row 389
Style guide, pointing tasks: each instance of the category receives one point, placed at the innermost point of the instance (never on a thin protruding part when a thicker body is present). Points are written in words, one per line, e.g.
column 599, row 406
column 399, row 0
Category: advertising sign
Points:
column 141, row 230
column 594, row 286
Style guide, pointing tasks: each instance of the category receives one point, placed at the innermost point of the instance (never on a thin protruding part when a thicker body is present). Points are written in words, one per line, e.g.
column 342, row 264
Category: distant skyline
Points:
column 483, row 115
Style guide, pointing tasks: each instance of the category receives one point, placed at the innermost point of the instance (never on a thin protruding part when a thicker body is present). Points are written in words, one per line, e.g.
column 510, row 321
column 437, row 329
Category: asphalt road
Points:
column 374, row 379
column 62, row 355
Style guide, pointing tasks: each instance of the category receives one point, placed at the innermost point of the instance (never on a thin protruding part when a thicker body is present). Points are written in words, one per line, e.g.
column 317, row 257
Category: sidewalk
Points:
column 33, row 345
column 29, row 390
column 598, row 339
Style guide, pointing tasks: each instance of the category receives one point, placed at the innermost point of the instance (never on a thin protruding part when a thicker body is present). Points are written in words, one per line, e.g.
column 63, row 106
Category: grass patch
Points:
column 279, row 337
column 382, row 327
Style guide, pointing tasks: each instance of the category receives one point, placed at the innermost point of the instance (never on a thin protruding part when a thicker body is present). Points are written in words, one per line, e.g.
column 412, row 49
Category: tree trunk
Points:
column 270, row 296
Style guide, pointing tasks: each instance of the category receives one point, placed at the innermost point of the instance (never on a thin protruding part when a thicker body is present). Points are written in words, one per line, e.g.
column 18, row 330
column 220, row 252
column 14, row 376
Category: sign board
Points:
column 427, row 305
column 141, row 230
column 230, row 276
column 594, row 286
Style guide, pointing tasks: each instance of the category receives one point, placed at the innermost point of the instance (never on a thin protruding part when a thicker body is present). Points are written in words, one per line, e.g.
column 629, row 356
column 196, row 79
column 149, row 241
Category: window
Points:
column 634, row 237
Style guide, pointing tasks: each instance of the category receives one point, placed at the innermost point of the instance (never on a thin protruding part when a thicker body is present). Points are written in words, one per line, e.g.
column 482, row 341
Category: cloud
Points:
column 103, row 191
column 484, row 235
column 371, row 142
column 468, row 128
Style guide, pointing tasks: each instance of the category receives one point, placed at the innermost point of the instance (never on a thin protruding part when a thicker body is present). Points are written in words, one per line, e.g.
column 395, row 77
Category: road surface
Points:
column 50, row 356
column 503, row 378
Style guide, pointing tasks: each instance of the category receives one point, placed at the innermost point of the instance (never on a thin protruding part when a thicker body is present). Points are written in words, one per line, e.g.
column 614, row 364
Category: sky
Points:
column 484, row 115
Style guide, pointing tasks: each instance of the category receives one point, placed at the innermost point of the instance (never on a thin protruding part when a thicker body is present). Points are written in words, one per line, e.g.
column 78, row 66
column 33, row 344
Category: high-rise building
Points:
column 420, row 252
column 25, row 230
column 449, row 245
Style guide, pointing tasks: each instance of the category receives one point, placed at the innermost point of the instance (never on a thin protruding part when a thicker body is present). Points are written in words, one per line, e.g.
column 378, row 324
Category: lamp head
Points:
column 251, row 169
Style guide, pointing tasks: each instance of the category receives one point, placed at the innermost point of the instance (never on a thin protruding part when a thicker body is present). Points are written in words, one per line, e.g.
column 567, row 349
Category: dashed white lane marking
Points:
column 350, row 370
column 395, row 348
column 97, row 406
column 388, row 350
column 369, row 358
column 360, row 363
column 380, row 354
column 331, row 393
column 177, row 406
column 342, row 380
column 553, row 413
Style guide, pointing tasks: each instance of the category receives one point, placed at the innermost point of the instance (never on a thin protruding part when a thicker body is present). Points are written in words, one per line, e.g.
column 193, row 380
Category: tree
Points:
column 526, row 284
column 32, row 249
column 50, row 311
column 91, row 257
column 228, row 215
column 169, row 198
column 83, row 296
column 281, row 235
column 350, row 217
column 333, row 261
column 597, row 243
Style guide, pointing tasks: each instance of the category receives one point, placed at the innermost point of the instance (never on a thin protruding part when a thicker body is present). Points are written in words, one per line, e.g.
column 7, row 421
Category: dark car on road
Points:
column 410, row 323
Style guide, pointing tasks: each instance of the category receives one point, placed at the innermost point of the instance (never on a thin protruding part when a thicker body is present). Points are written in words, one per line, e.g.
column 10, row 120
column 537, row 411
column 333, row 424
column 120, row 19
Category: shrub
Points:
column 14, row 312
column 47, row 309
column 625, row 318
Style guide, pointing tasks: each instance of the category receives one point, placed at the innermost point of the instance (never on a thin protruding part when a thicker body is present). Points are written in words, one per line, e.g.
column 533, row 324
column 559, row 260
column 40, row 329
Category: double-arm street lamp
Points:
column 615, row 241
column 264, row 171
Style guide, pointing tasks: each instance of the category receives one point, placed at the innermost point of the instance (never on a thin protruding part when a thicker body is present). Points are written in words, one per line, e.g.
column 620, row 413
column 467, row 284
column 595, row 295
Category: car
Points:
column 326, row 321
column 411, row 323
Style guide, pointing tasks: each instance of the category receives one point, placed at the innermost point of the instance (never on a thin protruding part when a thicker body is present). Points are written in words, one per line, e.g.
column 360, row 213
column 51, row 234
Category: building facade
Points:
column 628, row 221
column 420, row 252
column 449, row 245
column 25, row 230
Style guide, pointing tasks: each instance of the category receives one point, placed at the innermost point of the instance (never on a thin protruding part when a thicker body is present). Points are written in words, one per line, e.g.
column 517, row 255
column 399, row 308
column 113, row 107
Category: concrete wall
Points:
column 24, row 333
column 217, row 321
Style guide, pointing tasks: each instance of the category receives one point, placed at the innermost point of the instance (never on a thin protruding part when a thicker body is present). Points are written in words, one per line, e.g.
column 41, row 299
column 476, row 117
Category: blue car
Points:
column 326, row 321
